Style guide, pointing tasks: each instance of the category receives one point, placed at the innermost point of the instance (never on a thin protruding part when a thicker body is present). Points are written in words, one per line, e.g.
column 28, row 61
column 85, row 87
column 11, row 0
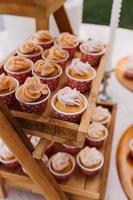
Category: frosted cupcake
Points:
column 97, row 134
column 71, row 149
column 61, row 165
column 43, row 38
column 90, row 160
column 56, row 55
column 8, row 87
column 80, row 75
column 7, row 158
column 30, row 50
column 101, row 115
column 129, row 69
column 91, row 52
column 48, row 72
column 19, row 67
column 68, row 42
column 34, row 140
column 33, row 95
column 69, row 104
column 131, row 147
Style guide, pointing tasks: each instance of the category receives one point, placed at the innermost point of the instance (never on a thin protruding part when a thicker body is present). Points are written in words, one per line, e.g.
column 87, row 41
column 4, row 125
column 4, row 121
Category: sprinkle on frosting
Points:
column 90, row 157
column 60, row 161
column 96, row 130
column 18, row 63
column 100, row 113
column 32, row 90
column 93, row 46
column 80, row 68
column 67, row 39
column 46, row 68
column 28, row 47
column 6, row 83
column 68, row 96
column 56, row 53
column 42, row 36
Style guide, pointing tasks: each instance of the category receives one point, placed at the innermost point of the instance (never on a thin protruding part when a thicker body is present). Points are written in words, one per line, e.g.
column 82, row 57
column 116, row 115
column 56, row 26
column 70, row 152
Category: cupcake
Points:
column 30, row 50
column 71, row 149
column 80, row 75
column 33, row 95
column 97, row 133
column 61, row 165
column 43, row 38
column 56, row 55
column 7, row 158
column 19, row 67
column 101, row 115
column 131, row 147
column 34, row 140
column 68, row 42
column 91, row 52
column 90, row 160
column 69, row 104
column 8, row 87
column 129, row 69
column 48, row 72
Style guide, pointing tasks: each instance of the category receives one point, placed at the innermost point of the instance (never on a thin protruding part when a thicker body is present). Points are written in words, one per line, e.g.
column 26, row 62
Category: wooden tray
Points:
column 79, row 186
column 119, row 72
column 125, row 163
column 59, row 130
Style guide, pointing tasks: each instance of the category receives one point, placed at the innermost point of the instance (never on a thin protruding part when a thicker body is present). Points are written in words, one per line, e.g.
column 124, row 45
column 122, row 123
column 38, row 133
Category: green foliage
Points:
column 98, row 12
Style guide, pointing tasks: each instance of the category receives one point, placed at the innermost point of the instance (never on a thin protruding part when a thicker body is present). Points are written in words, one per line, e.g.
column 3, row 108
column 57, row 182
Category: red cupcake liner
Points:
column 21, row 77
column 93, row 60
column 46, row 45
column 71, row 118
column 53, row 83
column 71, row 51
column 71, row 150
column 89, row 173
column 9, row 100
column 94, row 143
column 11, row 164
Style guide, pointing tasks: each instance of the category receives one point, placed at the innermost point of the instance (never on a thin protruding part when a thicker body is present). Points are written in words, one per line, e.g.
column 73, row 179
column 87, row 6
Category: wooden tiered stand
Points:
column 15, row 125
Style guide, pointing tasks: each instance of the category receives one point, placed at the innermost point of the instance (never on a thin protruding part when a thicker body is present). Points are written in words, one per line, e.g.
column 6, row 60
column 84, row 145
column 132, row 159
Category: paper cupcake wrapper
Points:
column 71, row 150
column 34, row 58
column 89, row 173
column 47, row 45
column 52, row 83
column 71, row 51
column 21, row 77
column 94, row 143
column 9, row 100
column 93, row 60
column 12, row 164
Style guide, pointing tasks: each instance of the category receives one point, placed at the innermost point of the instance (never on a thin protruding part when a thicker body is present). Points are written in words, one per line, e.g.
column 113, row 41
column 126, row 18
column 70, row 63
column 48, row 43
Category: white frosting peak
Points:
column 5, row 152
column 93, row 46
column 100, row 113
column 68, row 96
column 79, row 67
column 90, row 156
column 96, row 130
column 60, row 161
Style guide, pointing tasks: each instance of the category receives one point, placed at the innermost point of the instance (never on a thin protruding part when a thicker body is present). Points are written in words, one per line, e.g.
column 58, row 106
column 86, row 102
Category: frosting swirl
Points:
column 80, row 68
column 68, row 96
column 93, row 46
column 6, row 83
column 90, row 157
column 96, row 130
column 56, row 53
column 42, row 36
column 18, row 63
column 46, row 68
column 60, row 161
column 34, row 140
column 100, row 113
column 67, row 39
column 32, row 90
column 28, row 47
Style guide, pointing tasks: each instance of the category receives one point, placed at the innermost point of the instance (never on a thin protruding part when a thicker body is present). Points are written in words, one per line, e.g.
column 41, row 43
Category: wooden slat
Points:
column 40, row 148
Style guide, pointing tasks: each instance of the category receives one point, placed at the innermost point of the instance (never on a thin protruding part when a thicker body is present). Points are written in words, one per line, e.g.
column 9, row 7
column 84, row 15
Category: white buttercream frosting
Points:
column 34, row 140
column 5, row 151
column 90, row 157
column 68, row 96
column 79, row 67
column 96, row 130
column 100, row 113
column 93, row 46
column 60, row 161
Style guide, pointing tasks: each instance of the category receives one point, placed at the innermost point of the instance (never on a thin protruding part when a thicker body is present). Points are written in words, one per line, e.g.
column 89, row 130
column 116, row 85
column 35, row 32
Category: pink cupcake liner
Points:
column 91, row 58
column 13, row 164
column 47, row 45
column 89, row 171
column 71, row 117
column 131, row 147
column 50, row 149
column 34, row 107
column 60, row 176
column 62, row 62
column 71, row 149
column 9, row 98
column 32, row 57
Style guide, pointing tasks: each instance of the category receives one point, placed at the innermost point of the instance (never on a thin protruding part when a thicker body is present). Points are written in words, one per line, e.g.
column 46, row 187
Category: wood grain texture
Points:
column 120, row 71
column 125, row 163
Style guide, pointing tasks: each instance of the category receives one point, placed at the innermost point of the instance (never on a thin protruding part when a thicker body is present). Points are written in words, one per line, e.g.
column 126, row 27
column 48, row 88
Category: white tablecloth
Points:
column 123, row 46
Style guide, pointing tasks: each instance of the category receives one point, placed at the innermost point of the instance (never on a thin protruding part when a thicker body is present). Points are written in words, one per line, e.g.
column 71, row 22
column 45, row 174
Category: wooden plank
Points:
column 3, row 192
column 42, row 23
column 40, row 148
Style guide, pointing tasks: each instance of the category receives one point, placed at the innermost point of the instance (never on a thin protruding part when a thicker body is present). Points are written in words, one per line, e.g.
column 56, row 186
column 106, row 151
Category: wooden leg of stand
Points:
column 12, row 140
column 62, row 20
column 2, row 188
column 42, row 24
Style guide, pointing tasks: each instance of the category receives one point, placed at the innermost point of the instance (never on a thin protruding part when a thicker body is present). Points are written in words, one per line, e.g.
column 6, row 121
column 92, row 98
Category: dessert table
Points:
column 124, row 97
